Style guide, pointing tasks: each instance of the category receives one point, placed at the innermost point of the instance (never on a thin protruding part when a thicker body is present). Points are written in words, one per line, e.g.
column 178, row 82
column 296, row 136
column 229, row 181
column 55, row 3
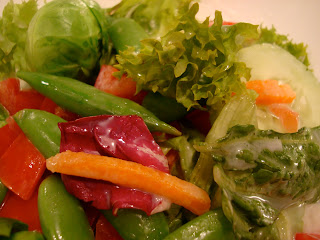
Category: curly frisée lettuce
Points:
column 194, row 62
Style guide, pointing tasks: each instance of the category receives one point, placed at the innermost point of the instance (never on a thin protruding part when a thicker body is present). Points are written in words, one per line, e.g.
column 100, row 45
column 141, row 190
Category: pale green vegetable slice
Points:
column 269, row 61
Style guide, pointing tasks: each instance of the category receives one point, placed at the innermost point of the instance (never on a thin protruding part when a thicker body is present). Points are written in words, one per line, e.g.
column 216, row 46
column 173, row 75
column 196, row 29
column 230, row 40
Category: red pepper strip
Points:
column 307, row 236
column 22, row 166
column 105, row 231
column 8, row 134
column 23, row 210
column 14, row 99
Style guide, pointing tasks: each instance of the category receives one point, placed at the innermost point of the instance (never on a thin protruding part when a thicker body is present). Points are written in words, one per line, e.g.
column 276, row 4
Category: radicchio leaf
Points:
column 125, row 137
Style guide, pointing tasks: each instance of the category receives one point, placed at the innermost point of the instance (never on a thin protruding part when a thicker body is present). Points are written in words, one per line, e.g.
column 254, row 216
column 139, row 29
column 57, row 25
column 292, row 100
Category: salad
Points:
column 140, row 121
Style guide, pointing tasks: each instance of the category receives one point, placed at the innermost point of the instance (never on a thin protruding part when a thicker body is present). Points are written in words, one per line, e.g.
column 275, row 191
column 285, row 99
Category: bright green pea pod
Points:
column 9, row 225
column 27, row 235
column 212, row 225
column 125, row 32
column 42, row 129
column 165, row 108
column 61, row 215
column 136, row 225
column 86, row 100
column 3, row 192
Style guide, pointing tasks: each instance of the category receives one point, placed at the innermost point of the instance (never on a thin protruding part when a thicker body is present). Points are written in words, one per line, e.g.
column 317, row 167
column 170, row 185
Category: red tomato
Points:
column 8, row 134
column 22, row 166
column 23, row 210
column 307, row 236
column 105, row 231
column 14, row 100
column 124, row 87
column 200, row 120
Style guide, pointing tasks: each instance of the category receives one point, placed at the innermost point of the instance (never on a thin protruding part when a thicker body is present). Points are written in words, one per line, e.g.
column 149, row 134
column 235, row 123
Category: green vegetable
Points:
column 4, row 114
column 165, row 108
column 61, row 215
column 241, row 109
column 13, row 31
column 3, row 191
column 9, row 225
column 157, row 17
column 125, row 32
column 212, row 225
column 42, row 130
column 87, row 100
column 272, row 62
column 261, row 173
column 135, row 224
column 193, row 63
column 67, row 38
column 27, row 235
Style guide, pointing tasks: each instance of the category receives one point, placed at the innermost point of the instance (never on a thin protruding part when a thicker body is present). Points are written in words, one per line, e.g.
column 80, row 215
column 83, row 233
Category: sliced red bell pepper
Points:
column 14, row 99
column 23, row 210
column 8, row 134
column 307, row 236
column 124, row 87
column 22, row 166
column 105, row 230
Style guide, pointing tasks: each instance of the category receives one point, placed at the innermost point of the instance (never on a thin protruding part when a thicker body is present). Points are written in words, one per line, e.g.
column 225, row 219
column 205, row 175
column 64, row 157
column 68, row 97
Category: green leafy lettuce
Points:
column 261, row 173
column 194, row 62
column 13, row 33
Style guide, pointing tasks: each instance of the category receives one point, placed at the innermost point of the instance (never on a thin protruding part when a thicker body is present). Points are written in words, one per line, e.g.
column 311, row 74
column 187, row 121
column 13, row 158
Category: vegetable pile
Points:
column 141, row 122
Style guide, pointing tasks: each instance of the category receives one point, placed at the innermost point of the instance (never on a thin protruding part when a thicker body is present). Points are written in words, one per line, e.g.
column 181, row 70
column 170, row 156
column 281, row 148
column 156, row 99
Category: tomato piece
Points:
column 22, row 166
column 105, row 231
column 200, row 120
column 48, row 105
column 307, row 236
column 23, row 210
column 124, row 87
column 8, row 134
column 14, row 100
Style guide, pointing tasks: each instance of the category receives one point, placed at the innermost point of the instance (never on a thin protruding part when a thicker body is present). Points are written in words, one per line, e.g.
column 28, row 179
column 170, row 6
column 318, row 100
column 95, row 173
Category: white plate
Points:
column 297, row 18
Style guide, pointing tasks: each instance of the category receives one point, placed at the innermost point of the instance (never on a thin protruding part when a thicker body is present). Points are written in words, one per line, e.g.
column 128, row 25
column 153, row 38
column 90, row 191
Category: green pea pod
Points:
column 165, row 108
column 125, row 32
column 61, row 215
column 42, row 129
column 3, row 192
column 136, row 225
column 27, row 235
column 87, row 100
column 9, row 225
column 212, row 225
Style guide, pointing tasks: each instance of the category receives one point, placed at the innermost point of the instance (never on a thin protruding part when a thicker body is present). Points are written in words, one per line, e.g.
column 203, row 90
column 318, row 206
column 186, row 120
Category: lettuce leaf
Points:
column 261, row 173
column 13, row 29
column 193, row 63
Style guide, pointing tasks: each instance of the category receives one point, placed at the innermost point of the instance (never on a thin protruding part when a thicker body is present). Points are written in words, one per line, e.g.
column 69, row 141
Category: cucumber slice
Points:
column 269, row 61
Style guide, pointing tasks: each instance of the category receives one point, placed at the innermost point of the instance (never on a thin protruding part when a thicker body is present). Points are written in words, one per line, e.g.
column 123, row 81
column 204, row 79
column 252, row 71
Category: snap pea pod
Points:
column 126, row 32
column 3, row 192
column 42, row 130
column 61, row 215
column 86, row 100
column 9, row 225
column 212, row 225
column 27, row 235
column 136, row 225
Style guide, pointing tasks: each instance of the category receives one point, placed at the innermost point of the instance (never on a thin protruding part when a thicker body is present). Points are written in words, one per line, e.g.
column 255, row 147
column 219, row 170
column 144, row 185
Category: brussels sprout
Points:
column 67, row 38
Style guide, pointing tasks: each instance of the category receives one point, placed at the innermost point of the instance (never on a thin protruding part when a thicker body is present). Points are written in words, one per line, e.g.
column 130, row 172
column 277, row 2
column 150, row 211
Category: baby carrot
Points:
column 133, row 175
column 270, row 91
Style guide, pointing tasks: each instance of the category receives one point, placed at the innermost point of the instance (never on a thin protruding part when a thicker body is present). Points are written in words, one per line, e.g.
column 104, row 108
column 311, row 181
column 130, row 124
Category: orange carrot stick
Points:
column 270, row 91
column 133, row 175
column 288, row 118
